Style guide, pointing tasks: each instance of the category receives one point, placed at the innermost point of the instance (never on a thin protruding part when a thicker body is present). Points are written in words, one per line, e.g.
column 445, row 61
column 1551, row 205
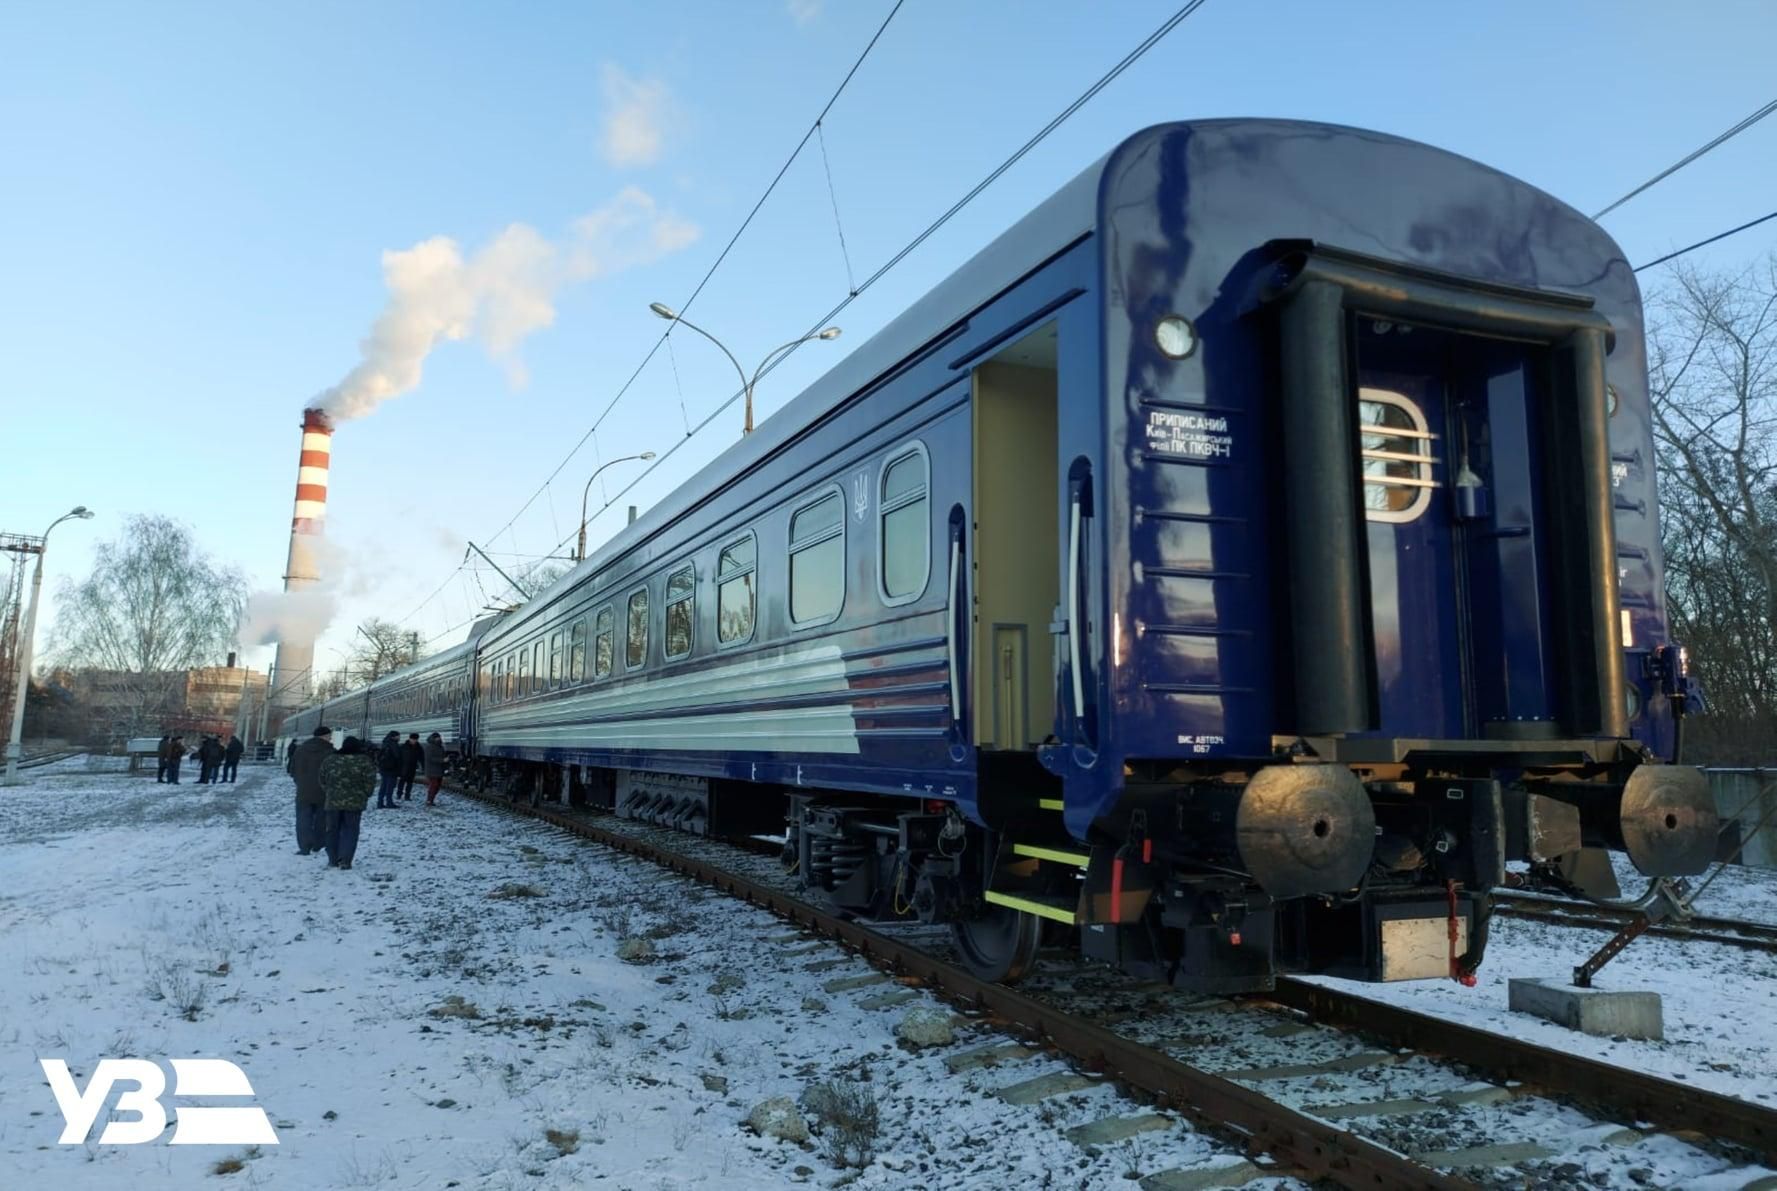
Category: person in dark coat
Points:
column 160, row 773
column 388, row 766
column 209, row 756
column 434, row 762
column 305, row 767
column 413, row 753
column 175, row 754
column 347, row 777
column 231, row 758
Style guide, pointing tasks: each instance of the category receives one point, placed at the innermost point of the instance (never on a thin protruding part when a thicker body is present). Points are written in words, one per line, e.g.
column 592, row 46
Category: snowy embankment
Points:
column 452, row 1012
column 1720, row 1002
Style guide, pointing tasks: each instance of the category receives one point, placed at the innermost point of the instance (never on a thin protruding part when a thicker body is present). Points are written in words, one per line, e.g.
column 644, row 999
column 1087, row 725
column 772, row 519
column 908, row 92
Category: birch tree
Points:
column 154, row 606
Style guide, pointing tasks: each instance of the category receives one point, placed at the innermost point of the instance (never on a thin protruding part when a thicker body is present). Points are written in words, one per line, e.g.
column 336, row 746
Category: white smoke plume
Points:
column 500, row 294
column 274, row 616
column 304, row 614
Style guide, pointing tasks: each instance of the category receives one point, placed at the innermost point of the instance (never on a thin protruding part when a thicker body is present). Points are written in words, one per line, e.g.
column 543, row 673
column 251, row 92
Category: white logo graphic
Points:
column 191, row 1077
column 860, row 500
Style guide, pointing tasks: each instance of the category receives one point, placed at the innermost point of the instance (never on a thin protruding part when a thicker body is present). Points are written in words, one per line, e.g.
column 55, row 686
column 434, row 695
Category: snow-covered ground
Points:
column 1720, row 1002
column 1734, row 891
column 452, row 1012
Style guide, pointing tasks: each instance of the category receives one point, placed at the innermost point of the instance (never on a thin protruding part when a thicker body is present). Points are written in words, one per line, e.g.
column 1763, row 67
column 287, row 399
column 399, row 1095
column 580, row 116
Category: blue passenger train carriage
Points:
column 1237, row 562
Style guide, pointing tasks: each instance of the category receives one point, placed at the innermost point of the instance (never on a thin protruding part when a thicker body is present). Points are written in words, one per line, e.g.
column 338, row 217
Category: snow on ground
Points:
column 1740, row 891
column 1720, row 1002
column 451, row 1011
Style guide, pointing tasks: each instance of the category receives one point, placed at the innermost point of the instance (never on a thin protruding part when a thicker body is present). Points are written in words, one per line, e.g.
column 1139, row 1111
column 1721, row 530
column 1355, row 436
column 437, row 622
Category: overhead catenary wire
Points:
column 672, row 358
column 1110, row 76
column 851, row 280
column 1733, row 231
column 1717, row 142
column 436, row 592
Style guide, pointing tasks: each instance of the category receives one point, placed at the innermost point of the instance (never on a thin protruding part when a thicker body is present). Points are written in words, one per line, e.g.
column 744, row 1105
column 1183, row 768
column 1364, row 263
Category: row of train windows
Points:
column 816, row 557
column 433, row 698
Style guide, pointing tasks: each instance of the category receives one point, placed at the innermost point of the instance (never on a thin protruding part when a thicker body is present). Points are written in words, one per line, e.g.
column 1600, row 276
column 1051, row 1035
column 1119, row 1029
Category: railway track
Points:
column 42, row 759
column 1138, row 1053
column 1542, row 907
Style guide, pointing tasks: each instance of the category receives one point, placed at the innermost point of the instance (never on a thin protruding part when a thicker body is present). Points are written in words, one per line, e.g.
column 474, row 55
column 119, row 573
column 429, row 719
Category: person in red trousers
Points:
column 434, row 767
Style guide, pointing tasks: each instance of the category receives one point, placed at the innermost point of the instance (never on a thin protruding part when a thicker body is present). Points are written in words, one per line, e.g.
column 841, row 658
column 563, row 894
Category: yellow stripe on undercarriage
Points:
column 1040, row 909
column 1050, row 804
column 1077, row 859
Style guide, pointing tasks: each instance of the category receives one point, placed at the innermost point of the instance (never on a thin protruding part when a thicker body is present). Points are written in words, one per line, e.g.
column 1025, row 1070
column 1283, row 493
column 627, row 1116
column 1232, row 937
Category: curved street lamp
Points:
column 14, row 742
column 580, row 552
column 671, row 316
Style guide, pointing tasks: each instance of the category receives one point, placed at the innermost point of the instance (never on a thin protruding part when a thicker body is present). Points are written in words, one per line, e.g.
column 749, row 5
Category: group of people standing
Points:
column 333, row 786
column 217, row 762
column 400, row 761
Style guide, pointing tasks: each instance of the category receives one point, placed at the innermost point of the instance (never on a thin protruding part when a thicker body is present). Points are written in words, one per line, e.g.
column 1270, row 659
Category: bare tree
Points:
column 541, row 574
column 154, row 606
column 332, row 685
column 1713, row 374
column 381, row 647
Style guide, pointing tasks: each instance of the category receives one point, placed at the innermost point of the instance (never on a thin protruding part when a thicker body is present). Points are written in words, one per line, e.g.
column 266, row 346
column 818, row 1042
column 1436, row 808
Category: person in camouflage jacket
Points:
column 347, row 779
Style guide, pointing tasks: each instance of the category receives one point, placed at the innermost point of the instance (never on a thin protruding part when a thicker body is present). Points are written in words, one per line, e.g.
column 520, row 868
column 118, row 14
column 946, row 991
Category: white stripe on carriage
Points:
column 739, row 683
column 445, row 726
column 828, row 729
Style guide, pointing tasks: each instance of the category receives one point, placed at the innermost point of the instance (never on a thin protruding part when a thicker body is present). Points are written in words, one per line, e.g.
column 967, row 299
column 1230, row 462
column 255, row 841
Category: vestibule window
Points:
column 1396, row 446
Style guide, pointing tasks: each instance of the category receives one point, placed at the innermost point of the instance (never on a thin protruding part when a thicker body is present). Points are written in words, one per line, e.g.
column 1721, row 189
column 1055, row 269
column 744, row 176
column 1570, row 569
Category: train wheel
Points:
column 999, row 945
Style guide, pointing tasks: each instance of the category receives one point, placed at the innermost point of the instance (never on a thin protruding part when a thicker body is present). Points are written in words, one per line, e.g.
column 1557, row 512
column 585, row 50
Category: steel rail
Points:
column 42, row 759
column 1299, row 1143
column 1756, row 936
column 1665, row 1103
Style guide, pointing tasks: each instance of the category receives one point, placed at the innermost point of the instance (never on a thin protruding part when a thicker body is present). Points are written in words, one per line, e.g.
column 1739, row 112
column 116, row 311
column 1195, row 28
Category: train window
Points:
column 635, row 646
column 604, row 642
column 524, row 672
column 817, row 560
column 577, row 652
column 1396, row 446
column 537, row 664
column 554, row 660
column 736, row 599
column 904, row 524
column 681, row 593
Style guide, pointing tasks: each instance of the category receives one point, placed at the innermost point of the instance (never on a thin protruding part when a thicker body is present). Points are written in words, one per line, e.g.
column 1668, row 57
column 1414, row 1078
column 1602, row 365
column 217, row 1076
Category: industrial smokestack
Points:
column 292, row 670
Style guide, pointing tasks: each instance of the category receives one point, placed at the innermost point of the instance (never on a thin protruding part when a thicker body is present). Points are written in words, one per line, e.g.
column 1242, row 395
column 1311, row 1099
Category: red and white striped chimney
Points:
column 292, row 673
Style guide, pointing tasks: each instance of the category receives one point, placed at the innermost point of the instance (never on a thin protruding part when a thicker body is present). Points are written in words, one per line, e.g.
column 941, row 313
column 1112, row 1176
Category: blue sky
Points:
column 195, row 200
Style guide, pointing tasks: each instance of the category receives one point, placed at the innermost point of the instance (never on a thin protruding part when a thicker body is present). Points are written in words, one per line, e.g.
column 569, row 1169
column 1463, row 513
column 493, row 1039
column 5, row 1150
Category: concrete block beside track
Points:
column 1607, row 1013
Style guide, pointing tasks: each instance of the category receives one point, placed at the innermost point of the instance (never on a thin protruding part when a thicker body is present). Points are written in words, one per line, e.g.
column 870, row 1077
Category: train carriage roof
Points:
column 1071, row 213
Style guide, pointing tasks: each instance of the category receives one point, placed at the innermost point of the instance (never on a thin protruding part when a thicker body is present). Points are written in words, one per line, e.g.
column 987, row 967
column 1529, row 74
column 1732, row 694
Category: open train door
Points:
column 1447, row 498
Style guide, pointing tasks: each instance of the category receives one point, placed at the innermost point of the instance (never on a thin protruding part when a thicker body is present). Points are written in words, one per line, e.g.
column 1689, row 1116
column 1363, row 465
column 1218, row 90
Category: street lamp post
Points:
column 580, row 552
column 14, row 744
column 671, row 316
